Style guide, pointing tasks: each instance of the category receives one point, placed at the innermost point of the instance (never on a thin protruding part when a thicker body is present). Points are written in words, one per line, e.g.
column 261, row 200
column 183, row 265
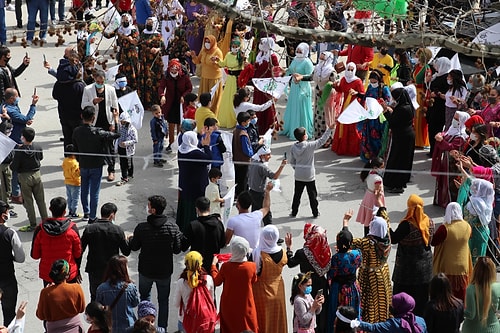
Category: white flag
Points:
column 111, row 73
column 274, row 86
column 132, row 104
column 228, row 204
column 355, row 112
column 6, row 146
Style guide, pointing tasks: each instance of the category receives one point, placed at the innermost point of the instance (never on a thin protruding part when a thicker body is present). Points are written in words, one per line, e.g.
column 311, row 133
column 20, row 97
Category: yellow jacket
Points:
column 71, row 171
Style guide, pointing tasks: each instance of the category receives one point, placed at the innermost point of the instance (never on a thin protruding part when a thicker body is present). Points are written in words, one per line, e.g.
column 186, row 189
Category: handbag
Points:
column 339, row 67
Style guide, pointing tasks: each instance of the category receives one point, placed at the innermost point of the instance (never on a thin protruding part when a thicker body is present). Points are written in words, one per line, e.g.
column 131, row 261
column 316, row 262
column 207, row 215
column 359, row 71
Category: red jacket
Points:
column 57, row 238
column 357, row 54
column 167, row 88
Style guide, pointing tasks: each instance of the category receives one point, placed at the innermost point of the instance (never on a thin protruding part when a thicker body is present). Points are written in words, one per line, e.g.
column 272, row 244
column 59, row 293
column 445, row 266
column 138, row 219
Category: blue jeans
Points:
column 157, row 149
column 3, row 28
column 35, row 6
column 163, row 291
column 60, row 9
column 16, row 188
column 91, row 185
column 73, row 195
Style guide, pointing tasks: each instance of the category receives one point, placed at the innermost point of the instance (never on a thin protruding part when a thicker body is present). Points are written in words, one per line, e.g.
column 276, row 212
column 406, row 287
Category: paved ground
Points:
column 338, row 181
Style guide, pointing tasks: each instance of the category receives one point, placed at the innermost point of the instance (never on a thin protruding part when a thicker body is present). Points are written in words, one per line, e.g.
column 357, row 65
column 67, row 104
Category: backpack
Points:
column 200, row 314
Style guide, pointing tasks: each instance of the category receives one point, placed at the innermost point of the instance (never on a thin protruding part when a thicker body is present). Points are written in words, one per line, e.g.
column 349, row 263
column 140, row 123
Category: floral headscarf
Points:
column 316, row 248
column 193, row 261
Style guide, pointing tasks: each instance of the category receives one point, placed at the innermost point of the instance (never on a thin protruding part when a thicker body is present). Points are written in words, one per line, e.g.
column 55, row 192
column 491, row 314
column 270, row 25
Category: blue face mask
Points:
column 99, row 86
column 253, row 121
column 122, row 84
column 308, row 290
column 17, row 100
column 246, row 125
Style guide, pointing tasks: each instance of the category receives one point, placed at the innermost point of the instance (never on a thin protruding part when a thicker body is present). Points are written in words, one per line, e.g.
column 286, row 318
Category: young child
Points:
column 203, row 112
column 216, row 143
column 212, row 191
column 27, row 164
column 374, row 183
column 72, row 180
column 97, row 317
column 126, row 147
column 253, row 132
column 158, row 128
column 190, row 105
column 304, row 305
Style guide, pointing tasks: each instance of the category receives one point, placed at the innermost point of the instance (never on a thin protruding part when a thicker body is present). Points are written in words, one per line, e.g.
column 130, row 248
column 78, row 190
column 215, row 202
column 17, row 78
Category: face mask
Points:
column 99, row 86
column 17, row 100
column 308, row 290
column 208, row 46
column 383, row 52
column 473, row 137
column 450, row 82
column 174, row 74
column 469, row 86
column 122, row 84
column 149, row 28
column 125, row 24
column 253, row 121
column 235, row 49
column 455, row 123
column 7, row 60
column 492, row 100
column 300, row 55
column 349, row 74
column 246, row 126
column 374, row 85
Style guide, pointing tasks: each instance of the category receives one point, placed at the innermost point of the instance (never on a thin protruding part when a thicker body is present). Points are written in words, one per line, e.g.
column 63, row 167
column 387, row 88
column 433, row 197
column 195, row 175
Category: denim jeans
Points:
column 157, row 150
column 60, row 9
column 35, row 6
column 16, row 188
column 73, row 195
column 91, row 185
column 3, row 28
column 163, row 291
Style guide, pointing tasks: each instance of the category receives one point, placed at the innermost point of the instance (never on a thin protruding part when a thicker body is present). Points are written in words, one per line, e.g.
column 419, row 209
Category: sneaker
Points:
column 85, row 217
column 74, row 215
column 122, row 182
column 316, row 215
column 12, row 213
column 10, row 7
column 111, row 177
column 27, row 228
column 158, row 164
column 19, row 25
column 292, row 215
column 163, row 160
column 168, row 150
column 94, row 220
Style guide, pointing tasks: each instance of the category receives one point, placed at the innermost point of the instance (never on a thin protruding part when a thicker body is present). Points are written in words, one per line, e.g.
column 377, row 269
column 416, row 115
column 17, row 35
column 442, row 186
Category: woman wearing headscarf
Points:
column 174, row 85
column 237, row 305
column 344, row 288
column 374, row 132
column 402, row 147
column 210, row 71
column 413, row 267
column 61, row 303
column 192, row 276
column 193, row 175
column 346, row 140
column 233, row 61
column 269, row 290
column 196, row 14
column 477, row 139
column 373, row 275
column 127, row 56
column 265, row 61
column 314, row 257
column 298, row 112
column 451, row 250
column 443, row 163
column 420, row 71
column 322, row 74
column 491, row 113
column 403, row 321
column 435, row 113
column 478, row 212
column 151, row 50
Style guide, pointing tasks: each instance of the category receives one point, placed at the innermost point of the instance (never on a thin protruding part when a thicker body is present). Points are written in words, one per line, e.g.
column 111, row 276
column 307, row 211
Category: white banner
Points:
column 6, row 146
column 132, row 104
column 228, row 204
column 355, row 112
column 273, row 86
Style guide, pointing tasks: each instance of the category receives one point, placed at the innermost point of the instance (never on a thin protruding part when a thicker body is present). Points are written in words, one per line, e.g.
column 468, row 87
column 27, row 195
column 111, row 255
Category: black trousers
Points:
column 257, row 201
column 9, row 299
column 126, row 163
column 95, row 279
column 68, row 126
column 311, row 192
column 240, row 177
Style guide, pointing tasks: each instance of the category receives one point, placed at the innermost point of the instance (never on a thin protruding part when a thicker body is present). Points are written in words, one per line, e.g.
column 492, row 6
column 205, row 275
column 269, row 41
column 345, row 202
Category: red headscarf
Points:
column 175, row 63
column 474, row 120
column 316, row 248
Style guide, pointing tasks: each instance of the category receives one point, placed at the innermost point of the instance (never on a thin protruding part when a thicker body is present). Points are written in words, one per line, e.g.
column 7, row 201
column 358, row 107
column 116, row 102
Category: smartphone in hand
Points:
column 319, row 293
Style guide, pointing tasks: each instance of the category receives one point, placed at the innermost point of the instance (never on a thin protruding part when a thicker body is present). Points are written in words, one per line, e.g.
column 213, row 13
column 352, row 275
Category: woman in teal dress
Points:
column 298, row 112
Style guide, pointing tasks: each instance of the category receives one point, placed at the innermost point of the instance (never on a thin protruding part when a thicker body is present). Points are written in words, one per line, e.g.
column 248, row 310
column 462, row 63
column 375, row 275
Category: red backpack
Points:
column 200, row 314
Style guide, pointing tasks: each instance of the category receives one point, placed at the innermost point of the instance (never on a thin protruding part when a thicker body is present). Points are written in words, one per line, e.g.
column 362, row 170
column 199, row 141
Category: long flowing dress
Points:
column 374, row 132
column 127, row 56
column 151, row 68
column 421, row 133
column 269, row 295
column 344, row 288
column 365, row 212
column 321, row 77
column 267, row 118
column 298, row 112
column 195, row 28
column 346, row 140
column 472, row 315
column 237, row 305
column 226, row 115
column 478, row 241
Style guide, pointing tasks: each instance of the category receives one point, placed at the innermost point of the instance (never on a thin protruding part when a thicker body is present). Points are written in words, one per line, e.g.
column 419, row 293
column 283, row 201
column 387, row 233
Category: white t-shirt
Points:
column 247, row 225
column 212, row 193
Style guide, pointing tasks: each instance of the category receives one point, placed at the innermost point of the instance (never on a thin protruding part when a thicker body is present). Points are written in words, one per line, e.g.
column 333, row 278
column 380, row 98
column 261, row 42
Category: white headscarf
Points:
column 304, row 47
column 442, row 66
column 460, row 131
column 189, row 142
column 155, row 26
column 264, row 150
column 239, row 249
column 128, row 30
column 453, row 213
column 378, row 227
column 266, row 46
column 324, row 68
column 412, row 92
column 354, row 77
column 396, row 85
column 482, row 196
column 268, row 243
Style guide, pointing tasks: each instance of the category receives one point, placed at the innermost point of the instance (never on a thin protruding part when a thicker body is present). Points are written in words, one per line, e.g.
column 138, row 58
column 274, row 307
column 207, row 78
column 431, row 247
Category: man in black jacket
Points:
column 205, row 234
column 158, row 239
column 7, row 73
column 89, row 142
column 104, row 239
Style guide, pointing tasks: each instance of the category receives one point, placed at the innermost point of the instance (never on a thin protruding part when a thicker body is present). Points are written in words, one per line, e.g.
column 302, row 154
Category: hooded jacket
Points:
column 158, row 239
column 27, row 158
column 57, row 238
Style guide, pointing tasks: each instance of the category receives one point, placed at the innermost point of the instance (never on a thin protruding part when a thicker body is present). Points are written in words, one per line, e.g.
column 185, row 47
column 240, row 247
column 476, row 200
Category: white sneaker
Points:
column 10, row 7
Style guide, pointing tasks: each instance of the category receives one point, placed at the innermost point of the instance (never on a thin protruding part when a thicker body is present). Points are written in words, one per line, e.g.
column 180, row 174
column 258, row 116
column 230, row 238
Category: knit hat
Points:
column 146, row 308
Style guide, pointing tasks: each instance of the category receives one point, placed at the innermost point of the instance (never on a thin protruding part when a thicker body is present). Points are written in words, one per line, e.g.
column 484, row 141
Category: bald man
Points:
column 68, row 68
